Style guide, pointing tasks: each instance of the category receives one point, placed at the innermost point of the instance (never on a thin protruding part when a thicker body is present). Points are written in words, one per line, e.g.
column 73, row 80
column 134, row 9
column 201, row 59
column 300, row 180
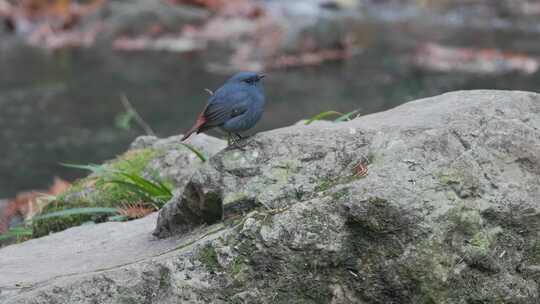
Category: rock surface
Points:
column 177, row 162
column 449, row 213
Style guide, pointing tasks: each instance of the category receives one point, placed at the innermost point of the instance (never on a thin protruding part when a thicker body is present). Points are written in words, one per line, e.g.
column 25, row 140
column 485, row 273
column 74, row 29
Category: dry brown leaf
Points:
column 135, row 210
column 29, row 203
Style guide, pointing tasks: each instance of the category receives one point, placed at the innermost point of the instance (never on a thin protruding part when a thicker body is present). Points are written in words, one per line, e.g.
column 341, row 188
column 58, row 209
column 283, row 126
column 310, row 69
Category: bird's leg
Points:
column 232, row 139
column 236, row 138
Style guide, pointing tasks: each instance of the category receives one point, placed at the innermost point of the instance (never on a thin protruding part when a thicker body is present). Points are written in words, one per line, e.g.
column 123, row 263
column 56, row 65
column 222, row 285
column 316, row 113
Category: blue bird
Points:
column 235, row 107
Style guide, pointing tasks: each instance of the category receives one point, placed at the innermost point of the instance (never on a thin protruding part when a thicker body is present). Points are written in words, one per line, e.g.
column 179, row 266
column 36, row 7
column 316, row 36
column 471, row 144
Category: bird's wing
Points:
column 225, row 105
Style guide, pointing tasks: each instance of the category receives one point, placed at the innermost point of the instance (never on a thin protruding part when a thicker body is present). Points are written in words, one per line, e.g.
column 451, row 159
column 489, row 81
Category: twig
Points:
column 138, row 119
column 209, row 92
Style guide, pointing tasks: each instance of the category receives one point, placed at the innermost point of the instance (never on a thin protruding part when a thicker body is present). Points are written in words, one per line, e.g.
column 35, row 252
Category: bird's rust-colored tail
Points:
column 201, row 120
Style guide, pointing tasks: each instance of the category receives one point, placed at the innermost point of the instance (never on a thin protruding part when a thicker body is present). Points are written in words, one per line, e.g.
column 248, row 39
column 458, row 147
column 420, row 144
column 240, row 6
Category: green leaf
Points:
column 148, row 185
column 76, row 211
column 123, row 120
column 197, row 152
column 150, row 191
column 142, row 194
column 16, row 232
column 96, row 169
column 156, row 192
column 166, row 189
column 322, row 116
column 347, row 117
column 117, row 218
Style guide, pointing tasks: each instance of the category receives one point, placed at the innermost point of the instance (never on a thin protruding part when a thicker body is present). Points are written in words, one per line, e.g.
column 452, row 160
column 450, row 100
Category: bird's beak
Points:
column 261, row 76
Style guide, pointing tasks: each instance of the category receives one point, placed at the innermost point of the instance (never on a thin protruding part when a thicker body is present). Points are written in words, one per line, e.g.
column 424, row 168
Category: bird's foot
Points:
column 233, row 141
column 236, row 140
column 232, row 138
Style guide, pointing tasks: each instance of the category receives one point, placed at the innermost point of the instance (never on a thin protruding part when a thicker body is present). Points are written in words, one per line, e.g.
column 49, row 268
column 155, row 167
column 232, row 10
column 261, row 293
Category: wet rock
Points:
column 448, row 213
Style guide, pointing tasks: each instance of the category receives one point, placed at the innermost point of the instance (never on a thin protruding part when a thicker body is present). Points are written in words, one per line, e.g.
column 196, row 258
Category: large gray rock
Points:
column 78, row 251
column 456, row 138
column 449, row 213
column 176, row 162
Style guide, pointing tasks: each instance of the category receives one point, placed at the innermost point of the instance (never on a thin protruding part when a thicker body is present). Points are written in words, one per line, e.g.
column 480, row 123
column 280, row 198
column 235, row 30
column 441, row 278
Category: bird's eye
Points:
column 249, row 81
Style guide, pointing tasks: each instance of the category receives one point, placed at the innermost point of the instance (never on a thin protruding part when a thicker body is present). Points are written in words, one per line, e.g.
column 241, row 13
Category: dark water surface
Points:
column 61, row 107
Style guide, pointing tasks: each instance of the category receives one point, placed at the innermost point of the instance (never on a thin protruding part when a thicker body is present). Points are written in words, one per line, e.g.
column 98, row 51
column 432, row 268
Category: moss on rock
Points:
column 208, row 257
column 95, row 190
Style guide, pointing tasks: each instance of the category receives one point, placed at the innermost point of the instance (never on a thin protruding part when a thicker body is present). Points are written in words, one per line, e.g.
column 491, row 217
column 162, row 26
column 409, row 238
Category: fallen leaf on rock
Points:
column 209, row 4
column 171, row 44
column 135, row 210
column 309, row 58
column 442, row 58
column 530, row 8
column 230, row 8
column 47, row 38
column 50, row 24
column 27, row 204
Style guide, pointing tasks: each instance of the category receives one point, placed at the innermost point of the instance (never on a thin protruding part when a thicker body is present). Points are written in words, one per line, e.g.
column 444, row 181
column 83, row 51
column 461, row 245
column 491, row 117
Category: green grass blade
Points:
column 16, row 232
column 155, row 187
column 124, row 119
column 135, row 189
column 347, row 117
column 166, row 189
column 76, row 211
column 96, row 169
column 155, row 192
column 322, row 116
column 117, row 218
column 20, row 229
column 137, row 179
column 142, row 183
column 196, row 151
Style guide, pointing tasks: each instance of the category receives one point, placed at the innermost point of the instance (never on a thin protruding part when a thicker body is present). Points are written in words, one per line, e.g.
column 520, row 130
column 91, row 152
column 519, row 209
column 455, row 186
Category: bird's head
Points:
column 249, row 78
